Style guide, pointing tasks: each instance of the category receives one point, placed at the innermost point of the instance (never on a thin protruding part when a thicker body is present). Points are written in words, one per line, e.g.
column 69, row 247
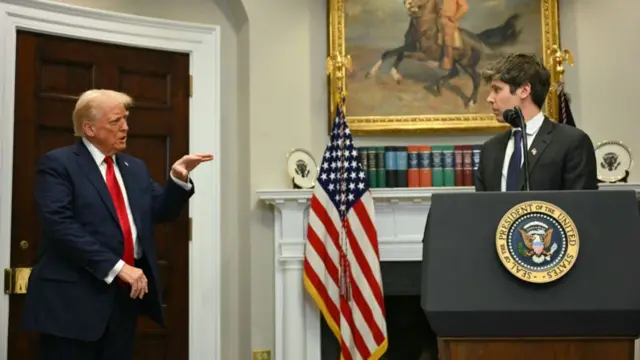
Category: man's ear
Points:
column 524, row 91
column 88, row 129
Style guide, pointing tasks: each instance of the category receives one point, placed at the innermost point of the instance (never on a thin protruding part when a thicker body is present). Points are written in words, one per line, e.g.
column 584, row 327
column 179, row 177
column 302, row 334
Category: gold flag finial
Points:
column 558, row 58
column 338, row 66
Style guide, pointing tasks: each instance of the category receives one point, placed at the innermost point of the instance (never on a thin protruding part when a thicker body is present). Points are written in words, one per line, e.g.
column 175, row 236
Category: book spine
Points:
column 449, row 166
column 372, row 167
column 413, row 166
column 459, row 178
column 467, row 165
column 381, row 168
column 476, row 160
column 391, row 166
column 437, row 164
column 402, row 162
column 425, row 166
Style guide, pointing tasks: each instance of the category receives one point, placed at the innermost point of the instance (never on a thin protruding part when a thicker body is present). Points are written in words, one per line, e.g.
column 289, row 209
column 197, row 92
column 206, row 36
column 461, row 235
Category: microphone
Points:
column 511, row 117
column 515, row 118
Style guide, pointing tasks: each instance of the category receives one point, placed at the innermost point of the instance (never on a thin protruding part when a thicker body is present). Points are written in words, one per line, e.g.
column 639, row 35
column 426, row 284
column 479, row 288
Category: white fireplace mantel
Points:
column 401, row 214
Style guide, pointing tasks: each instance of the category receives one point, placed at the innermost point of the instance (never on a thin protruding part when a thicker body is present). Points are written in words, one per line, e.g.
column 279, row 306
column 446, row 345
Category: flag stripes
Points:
column 342, row 261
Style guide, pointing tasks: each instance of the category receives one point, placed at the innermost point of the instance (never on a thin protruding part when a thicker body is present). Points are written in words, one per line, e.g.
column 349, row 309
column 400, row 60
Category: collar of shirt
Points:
column 97, row 155
column 533, row 125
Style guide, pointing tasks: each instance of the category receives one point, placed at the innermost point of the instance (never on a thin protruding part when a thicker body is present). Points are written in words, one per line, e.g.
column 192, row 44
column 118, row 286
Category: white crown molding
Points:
column 96, row 18
column 202, row 43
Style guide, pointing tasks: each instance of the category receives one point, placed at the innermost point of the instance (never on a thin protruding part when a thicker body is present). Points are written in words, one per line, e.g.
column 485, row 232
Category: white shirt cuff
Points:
column 185, row 185
column 114, row 272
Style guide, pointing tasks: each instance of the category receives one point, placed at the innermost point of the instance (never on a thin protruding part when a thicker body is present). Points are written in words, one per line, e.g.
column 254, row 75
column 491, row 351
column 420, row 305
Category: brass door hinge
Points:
column 16, row 280
column 190, row 229
column 190, row 85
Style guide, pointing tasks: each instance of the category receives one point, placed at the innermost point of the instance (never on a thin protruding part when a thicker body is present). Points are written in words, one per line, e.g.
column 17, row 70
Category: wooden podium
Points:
column 481, row 308
column 536, row 349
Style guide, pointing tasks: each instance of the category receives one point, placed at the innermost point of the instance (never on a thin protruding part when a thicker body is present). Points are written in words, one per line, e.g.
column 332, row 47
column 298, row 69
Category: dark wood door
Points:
column 51, row 73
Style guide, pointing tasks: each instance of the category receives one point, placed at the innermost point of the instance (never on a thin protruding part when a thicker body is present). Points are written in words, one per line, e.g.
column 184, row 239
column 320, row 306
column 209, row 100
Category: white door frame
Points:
column 202, row 43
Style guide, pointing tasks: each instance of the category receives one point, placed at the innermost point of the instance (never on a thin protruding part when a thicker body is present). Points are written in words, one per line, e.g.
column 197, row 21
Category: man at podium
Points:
column 559, row 156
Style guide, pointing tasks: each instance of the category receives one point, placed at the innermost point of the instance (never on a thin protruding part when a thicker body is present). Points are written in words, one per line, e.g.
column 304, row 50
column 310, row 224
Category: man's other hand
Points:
column 136, row 278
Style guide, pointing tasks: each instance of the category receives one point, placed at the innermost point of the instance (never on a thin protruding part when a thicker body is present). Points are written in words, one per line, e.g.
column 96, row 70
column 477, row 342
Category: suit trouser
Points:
column 115, row 344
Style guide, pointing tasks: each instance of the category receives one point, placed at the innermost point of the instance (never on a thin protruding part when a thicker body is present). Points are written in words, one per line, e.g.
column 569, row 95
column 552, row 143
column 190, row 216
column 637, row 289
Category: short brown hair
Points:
column 519, row 69
column 88, row 106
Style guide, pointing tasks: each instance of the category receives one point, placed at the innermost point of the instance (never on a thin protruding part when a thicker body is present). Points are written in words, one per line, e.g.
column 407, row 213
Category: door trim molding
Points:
column 203, row 44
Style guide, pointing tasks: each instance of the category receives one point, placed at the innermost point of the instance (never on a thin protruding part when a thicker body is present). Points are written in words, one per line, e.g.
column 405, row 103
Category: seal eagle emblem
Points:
column 537, row 242
column 538, row 245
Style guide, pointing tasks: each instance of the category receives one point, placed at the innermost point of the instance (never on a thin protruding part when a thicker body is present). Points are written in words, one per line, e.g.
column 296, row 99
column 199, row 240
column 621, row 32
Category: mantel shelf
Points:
column 379, row 194
column 273, row 196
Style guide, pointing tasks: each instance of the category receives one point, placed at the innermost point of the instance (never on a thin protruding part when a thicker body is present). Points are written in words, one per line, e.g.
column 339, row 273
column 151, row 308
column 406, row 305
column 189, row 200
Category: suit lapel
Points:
column 496, row 180
column 92, row 172
column 539, row 145
column 129, row 184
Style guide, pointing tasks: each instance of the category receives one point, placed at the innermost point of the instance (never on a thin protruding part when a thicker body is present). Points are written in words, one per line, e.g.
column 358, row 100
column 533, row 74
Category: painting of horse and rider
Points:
column 417, row 63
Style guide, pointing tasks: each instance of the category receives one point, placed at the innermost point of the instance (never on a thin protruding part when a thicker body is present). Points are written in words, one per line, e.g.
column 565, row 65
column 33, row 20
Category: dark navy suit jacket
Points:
column 82, row 241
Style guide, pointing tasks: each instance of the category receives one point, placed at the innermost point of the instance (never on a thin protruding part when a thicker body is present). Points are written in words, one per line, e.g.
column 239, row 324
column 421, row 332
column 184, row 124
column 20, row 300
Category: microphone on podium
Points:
column 515, row 118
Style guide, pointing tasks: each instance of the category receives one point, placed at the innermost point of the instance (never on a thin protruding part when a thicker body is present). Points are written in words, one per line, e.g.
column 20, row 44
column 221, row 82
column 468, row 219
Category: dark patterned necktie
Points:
column 515, row 162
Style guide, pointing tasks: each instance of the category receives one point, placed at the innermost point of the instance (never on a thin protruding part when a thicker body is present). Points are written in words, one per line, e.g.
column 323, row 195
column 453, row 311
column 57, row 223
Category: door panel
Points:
column 51, row 73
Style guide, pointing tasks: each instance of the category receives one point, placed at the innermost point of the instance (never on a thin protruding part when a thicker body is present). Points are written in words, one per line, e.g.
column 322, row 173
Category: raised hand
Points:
column 187, row 163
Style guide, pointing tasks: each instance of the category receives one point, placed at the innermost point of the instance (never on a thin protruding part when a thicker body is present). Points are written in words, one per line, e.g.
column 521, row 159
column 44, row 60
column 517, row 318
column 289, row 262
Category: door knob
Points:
column 24, row 244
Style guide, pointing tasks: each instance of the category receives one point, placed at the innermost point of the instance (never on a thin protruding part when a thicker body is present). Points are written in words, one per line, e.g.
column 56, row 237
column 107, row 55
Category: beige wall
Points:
column 274, row 100
column 605, row 82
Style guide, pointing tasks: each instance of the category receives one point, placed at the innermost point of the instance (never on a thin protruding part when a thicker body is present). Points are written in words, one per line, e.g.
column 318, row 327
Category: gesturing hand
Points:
column 183, row 167
column 134, row 277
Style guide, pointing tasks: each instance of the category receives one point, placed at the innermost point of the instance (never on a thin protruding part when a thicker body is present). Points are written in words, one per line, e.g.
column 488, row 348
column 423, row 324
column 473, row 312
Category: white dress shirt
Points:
column 99, row 158
column 533, row 126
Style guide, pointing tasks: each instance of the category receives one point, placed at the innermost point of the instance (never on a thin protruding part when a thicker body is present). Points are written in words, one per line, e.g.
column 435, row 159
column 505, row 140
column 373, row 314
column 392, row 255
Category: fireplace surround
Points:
column 409, row 334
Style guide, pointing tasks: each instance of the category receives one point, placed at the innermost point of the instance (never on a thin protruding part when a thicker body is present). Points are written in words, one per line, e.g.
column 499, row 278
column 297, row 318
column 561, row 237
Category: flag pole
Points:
column 337, row 67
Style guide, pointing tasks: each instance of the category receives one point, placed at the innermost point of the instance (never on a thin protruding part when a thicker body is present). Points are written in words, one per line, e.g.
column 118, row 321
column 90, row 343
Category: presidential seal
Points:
column 537, row 242
column 615, row 161
column 302, row 169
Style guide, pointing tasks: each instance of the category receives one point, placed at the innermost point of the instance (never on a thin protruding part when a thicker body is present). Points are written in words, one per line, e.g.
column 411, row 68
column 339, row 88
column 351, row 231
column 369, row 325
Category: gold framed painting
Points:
column 394, row 52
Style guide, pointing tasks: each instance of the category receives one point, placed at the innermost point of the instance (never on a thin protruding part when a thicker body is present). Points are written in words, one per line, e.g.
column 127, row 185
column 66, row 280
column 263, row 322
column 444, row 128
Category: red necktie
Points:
column 121, row 210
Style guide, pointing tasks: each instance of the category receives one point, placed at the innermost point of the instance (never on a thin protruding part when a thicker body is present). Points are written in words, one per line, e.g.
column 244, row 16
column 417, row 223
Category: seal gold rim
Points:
column 513, row 266
column 623, row 146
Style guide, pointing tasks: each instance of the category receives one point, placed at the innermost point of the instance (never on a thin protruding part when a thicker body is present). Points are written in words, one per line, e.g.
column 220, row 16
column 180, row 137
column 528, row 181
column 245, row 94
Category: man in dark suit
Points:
column 560, row 157
column 96, row 270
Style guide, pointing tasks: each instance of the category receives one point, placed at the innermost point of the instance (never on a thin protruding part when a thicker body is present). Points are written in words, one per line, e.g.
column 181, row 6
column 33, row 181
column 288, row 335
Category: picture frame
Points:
column 466, row 121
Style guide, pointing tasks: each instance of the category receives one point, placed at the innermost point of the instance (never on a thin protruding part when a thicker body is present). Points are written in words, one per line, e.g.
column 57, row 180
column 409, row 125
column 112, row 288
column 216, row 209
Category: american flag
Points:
column 342, row 261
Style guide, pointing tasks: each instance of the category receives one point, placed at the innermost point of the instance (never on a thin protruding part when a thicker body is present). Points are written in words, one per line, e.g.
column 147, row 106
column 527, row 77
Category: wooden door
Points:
column 51, row 73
